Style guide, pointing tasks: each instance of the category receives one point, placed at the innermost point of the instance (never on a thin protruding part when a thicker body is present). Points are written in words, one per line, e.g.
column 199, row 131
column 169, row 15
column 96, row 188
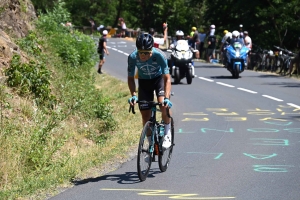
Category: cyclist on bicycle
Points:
column 153, row 75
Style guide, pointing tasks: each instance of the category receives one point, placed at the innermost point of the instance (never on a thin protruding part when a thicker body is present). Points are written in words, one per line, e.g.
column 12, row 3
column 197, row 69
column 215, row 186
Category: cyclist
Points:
column 295, row 60
column 153, row 75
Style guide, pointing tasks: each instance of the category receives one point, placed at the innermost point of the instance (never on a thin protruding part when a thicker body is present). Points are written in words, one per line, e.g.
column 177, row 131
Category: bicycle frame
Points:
column 156, row 133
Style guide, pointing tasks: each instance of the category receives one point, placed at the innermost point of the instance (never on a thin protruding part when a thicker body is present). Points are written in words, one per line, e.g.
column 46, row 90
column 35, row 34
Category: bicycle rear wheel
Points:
column 164, row 158
column 144, row 158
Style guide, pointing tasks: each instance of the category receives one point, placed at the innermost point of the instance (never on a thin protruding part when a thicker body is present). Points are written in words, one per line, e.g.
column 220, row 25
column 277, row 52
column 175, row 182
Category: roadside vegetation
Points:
column 58, row 119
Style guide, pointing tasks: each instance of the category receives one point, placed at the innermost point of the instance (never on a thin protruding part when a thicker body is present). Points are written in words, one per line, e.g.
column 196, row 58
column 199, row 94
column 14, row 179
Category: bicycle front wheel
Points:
column 165, row 158
column 144, row 158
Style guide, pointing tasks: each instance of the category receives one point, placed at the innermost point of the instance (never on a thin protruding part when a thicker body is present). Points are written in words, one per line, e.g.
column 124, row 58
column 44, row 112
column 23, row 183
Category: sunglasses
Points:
column 144, row 52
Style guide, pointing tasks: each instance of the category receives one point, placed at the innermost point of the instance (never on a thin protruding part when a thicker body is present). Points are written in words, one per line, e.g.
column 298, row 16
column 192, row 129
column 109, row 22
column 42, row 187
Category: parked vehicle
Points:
column 236, row 58
column 181, row 64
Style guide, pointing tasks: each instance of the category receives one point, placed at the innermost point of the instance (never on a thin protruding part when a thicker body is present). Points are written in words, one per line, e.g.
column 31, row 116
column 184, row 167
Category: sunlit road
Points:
column 235, row 139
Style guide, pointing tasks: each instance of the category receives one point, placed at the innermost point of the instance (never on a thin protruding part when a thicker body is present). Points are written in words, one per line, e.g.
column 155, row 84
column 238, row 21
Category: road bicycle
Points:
column 286, row 57
column 147, row 149
column 258, row 59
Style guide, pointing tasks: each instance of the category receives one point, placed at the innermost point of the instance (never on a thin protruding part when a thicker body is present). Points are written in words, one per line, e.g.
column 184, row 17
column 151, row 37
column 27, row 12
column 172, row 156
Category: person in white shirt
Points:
column 248, row 43
column 247, row 40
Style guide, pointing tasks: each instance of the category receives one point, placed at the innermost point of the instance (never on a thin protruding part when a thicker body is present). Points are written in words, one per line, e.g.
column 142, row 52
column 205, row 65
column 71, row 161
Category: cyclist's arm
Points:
column 131, row 85
column 130, row 70
column 167, row 84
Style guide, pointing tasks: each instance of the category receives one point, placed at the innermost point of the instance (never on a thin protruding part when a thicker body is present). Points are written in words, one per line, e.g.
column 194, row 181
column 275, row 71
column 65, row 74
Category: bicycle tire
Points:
column 165, row 158
column 144, row 157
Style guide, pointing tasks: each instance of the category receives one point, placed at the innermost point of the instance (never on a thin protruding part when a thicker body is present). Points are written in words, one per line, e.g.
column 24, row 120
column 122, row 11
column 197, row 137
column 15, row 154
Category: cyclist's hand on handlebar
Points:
column 132, row 100
column 167, row 103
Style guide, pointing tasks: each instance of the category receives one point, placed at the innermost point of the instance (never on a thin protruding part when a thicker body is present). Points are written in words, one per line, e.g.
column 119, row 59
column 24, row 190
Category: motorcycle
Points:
column 181, row 64
column 236, row 58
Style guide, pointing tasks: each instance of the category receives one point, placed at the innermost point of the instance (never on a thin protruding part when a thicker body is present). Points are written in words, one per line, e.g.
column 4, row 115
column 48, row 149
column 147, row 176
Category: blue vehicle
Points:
column 236, row 58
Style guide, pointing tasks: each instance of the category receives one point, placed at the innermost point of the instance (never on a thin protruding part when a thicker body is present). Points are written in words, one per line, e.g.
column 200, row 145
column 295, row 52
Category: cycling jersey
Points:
column 155, row 66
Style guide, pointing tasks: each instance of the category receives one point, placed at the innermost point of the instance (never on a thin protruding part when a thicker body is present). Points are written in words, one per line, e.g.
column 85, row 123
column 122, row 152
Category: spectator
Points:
column 296, row 59
column 201, row 36
column 93, row 25
column 158, row 41
column 224, row 43
column 190, row 36
column 241, row 31
column 211, row 44
column 123, row 27
column 248, row 43
column 102, row 50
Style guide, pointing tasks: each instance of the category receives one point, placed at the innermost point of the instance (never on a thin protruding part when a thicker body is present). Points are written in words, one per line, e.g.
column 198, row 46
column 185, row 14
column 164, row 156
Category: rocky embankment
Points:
column 16, row 17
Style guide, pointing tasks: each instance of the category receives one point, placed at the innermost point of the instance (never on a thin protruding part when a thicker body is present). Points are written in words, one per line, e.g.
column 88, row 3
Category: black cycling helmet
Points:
column 144, row 41
column 151, row 31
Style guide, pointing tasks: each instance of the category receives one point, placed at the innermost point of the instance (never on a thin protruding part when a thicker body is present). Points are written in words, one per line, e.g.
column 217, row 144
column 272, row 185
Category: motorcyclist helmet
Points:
column 235, row 34
column 144, row 42
column 225, row 31
column 179, row 34
column 194, row 28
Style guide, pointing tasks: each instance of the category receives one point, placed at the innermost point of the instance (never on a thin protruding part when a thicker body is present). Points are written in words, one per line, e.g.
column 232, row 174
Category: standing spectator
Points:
column 93, row 25
column 247, row 40
column 296, row 59
column 248, row 43
column 241, row 31
column 102, row 50
column 202, row 36
column 123, row 27
column 190, row 36
column 211, row 44
column 195, row 42
column 224, row 43
column 158, row 41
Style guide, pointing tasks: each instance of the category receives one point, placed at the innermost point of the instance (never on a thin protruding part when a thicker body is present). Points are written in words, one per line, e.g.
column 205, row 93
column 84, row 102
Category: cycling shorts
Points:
column 147, row 88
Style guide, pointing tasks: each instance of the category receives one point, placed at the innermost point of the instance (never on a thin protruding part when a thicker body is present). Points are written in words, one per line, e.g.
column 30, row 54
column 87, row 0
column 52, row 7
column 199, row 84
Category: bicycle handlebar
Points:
column 284, row 50
column 152, row 103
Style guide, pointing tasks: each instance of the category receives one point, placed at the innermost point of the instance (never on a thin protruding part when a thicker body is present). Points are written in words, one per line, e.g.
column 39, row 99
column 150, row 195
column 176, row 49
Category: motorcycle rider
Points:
column 235, row 38
column 179, row 36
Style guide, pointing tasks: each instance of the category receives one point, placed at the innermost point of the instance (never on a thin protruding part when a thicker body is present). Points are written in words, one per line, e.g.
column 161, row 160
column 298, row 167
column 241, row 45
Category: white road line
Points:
column 114, row 49
column 120, row 51
column 294, row 105
column 224, row 84
column 206, row 79
column 250, row 91
column 126, row 54
column 273, row 98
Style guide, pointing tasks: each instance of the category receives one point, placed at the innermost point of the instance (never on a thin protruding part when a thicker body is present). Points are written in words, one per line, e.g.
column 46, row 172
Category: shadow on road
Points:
column 222, row 77
column 208, row 66
column 127, row 178
column 284, row 84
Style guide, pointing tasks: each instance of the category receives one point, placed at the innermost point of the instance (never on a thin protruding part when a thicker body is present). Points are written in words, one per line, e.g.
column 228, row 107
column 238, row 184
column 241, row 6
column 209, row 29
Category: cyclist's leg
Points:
column 145, row 92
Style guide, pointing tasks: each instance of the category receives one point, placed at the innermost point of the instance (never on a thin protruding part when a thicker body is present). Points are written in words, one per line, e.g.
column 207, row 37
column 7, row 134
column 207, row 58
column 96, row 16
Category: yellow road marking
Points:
column 194, row 119
column 171, row 196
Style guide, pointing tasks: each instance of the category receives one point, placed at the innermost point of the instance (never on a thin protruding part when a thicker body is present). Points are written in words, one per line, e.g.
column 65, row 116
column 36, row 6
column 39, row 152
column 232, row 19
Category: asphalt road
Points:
column 235, row 139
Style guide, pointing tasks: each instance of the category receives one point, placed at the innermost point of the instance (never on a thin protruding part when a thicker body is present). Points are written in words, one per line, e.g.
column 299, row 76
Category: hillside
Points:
column 16, row 18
